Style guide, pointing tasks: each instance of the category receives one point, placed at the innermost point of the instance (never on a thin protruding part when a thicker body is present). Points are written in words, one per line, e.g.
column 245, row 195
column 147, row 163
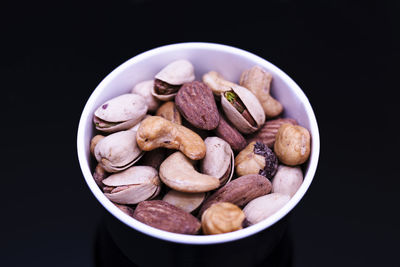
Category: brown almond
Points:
column 164, row 216
column 268, row 132
column 240, row 191
column 196, row 103
column 126, row 209
column 229, row 133
column 99, row 175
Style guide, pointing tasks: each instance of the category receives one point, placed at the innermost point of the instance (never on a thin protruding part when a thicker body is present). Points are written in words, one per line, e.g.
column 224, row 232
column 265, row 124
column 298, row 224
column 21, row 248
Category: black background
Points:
column 344, row 55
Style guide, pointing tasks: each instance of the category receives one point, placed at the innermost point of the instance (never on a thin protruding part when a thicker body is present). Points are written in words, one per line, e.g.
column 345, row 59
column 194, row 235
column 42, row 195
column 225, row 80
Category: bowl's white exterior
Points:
column 228, row 61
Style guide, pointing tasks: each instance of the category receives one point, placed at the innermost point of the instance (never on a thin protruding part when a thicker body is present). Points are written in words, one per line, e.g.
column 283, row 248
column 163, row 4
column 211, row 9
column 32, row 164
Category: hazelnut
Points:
column 292, row 144
column 256, row 158
column 222, row 217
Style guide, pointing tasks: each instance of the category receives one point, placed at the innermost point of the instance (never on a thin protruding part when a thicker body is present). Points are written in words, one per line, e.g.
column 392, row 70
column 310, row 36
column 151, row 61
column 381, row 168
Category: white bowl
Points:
column 228, row 61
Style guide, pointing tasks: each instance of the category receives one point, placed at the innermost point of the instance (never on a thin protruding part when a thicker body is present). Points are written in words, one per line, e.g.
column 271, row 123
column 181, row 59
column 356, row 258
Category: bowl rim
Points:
column 197, row 239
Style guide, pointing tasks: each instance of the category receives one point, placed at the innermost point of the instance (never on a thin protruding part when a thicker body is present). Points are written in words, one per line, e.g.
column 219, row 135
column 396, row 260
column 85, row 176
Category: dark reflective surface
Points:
column 108, row 254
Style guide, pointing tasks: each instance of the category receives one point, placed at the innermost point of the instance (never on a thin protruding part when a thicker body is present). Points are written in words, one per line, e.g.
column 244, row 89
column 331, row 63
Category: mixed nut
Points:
column 198, row 157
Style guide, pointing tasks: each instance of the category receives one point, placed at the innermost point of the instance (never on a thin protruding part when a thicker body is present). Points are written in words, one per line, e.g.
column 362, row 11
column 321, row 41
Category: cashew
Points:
column 177, row 172
column 217, row 83
column 168, row 111
column 186, row 201
column 156, row 131
column 258, row 81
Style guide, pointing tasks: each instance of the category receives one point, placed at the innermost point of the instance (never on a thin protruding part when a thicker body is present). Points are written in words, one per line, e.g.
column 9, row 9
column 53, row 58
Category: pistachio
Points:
column 118, row 151
column 144, row 89
column 135, row 128
column 163, row 88
column 185, row 201
column 262, row 207
column 222, row 217
column 177, row 72
column 219, row 159
column 243, row 109
column 136, row 184
column 256, row 158
column 178, row 173
column 168, row 81
column 287, row 180
column 94, row 142
column 120, row 113
column 239, row 106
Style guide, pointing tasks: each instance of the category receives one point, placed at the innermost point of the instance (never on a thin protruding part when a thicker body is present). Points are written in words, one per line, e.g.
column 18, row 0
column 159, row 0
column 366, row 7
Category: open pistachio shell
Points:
column 219, row 159
column 186, row 201
column 118, row 151
column 168, row 97
column 136, row 184
column 144, row 89
column 177, row 72
column 120, row 113
column 252, row 105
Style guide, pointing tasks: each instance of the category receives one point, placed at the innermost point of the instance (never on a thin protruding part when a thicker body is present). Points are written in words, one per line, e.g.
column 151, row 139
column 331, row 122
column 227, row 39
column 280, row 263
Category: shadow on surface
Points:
column 107, row 253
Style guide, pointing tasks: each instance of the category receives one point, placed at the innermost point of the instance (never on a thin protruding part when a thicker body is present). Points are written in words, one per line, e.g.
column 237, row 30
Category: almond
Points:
column 268, row 132
column 240, row 191
column 196, row 103
column 229, row 133
column 164, row 216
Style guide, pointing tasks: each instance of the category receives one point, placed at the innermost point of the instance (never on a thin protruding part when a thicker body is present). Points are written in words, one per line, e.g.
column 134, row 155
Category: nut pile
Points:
column 198, row 157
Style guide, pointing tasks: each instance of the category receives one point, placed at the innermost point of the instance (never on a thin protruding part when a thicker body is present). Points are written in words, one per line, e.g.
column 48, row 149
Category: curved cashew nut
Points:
column 258, row 81
column 217, row 83
column 155, row 131
column 177, row 172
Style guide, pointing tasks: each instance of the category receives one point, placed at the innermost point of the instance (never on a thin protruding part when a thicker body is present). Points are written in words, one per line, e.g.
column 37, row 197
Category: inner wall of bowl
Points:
column 229, row 65
column 227, row 61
